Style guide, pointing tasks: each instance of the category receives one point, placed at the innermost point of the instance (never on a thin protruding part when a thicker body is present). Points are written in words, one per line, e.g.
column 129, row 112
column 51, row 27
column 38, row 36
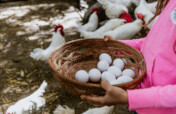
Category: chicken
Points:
column 127, row 3
column 126, row 31
column 136, row 2
column 152, row 6
column 66, row 110
column 63, row 110
column 126, row 16
column 57, row 41
column 142, row 17
column 26, row 105
column 113, row 10
column 109, row 25
column 101, row 110
column 92, row 23
column 145, row 12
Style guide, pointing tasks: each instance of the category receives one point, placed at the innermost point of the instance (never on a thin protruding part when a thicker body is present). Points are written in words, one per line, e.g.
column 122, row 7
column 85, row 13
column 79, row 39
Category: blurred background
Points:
column 28, row 24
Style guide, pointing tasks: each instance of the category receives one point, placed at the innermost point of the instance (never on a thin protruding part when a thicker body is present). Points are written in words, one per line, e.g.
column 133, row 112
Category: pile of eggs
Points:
column 107, row 69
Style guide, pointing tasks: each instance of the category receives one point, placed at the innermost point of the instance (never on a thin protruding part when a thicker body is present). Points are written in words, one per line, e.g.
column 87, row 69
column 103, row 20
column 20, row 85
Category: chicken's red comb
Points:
column 126, row 16
column 140, row 16
column 96, row 10
column 59, row 26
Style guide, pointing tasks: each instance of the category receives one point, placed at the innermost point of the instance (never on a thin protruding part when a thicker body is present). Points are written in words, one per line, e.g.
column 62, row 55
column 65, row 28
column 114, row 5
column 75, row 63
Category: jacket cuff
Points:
column 141, row 98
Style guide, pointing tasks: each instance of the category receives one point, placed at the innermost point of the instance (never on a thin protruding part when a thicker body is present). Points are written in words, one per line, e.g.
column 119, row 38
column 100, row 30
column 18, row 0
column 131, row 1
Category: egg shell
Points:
column 103, row 65
column 82, row 76
column 108, row 76
column 128, row 72
column 115, row 82
column 106, row 57
column 119, row 63
column 125, row 79
column 94, row 75
column 115, row 71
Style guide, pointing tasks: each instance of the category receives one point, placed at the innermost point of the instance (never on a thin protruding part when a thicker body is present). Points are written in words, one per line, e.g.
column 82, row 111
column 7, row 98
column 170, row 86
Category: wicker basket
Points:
column 84, row 54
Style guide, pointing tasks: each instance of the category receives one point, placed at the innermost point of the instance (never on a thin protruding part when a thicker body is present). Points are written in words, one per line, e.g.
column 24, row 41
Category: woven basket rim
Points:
column 70, row 42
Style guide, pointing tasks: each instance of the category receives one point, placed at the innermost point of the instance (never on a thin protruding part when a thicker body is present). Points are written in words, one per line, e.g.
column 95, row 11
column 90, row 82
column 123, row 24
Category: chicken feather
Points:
column 113, row 10
column 43, row 54
column 27, row 104
column 92, row 23
column 126, row 31
column 109, row 25
column 66, row 110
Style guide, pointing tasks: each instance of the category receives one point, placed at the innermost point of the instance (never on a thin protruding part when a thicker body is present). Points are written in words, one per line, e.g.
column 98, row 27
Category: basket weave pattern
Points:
column 83, row 54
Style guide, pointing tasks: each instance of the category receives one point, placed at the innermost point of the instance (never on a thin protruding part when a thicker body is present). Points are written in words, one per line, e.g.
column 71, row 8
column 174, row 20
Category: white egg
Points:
column 115, row 70
column 108, row 76
column 103, row 65
column 128, row 72
column 94, row 75
column 115, row 82
column 82, row 76
column 106, row 57
column 125, row 79
column 119, row 63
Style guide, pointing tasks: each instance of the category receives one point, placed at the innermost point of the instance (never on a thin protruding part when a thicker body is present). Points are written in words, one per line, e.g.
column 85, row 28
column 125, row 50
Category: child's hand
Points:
column 114, row 95
column 106, row 38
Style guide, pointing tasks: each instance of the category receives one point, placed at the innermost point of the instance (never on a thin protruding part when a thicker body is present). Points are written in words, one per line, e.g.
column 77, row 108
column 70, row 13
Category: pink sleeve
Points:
column 155, row 97
column 135, row 43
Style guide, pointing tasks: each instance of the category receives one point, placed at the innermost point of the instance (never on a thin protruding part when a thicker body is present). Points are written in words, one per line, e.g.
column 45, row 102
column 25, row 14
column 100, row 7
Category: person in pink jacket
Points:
column 157, row 92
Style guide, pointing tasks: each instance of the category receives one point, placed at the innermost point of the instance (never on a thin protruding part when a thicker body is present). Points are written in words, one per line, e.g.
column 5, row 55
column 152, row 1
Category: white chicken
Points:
column 57, row 41
column 152, row 6
column 136, row 2
column 127, row 3
column 92, row 23
column 126, row 31
column 63, row 110
column 66, row 110
column 113, row 10
column 109, row 25
column 142, row 17
column 145, row 12
column 26, row 105
column 101, row 110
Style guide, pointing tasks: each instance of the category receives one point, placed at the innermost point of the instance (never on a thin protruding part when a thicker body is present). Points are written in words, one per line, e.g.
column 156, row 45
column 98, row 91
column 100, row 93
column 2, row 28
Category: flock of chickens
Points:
column 120, row 26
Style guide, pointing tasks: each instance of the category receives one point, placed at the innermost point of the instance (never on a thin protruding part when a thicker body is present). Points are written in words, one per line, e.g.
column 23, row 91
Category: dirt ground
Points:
column 20, row 75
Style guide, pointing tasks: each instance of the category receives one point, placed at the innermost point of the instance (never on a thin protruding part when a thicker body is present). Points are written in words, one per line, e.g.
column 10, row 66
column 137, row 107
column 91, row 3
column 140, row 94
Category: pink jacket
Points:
column 158, row 89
